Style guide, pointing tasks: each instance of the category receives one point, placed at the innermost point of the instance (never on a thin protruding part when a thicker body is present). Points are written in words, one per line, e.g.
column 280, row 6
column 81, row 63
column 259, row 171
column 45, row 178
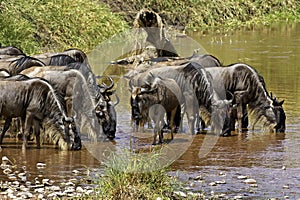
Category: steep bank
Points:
column 41, row 26
column 218, row 14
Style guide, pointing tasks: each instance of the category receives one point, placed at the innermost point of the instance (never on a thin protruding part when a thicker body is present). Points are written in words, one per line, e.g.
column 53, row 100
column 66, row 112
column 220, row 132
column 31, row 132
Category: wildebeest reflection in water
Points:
column 36, row 103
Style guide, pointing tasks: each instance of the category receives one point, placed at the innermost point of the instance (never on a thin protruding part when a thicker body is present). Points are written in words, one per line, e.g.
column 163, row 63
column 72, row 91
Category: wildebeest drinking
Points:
column 249, row 88
column 36, row 103
column 163, row 95
column 100, row 94
column 197, row 91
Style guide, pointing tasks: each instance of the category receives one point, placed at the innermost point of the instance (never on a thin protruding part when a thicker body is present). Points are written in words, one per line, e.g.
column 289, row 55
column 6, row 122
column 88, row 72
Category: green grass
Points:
column 130, row 175
column 203, row 15
column 41, row 26
column 54, row 25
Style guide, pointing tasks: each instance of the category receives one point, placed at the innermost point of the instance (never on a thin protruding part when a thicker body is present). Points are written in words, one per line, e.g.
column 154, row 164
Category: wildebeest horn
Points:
column 130, row 84
column 103, row 86
column 230, row 93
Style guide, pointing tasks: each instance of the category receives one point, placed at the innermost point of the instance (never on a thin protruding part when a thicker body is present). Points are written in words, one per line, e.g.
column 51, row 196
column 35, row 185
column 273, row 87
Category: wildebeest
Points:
column 9, row 51
column 280, row 114
column 57, row 58
column 100, row 94
column 36, row 102
column 197, row 91
column 163, row 95
column 16, row 64
column 248, row 87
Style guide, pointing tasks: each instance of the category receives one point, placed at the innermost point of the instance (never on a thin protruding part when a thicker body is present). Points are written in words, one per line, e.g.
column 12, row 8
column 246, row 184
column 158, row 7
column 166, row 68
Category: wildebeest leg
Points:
column 245, row 120
column 233, row 117
column 172, row 122
column 240, row 117
column 36, row 131
column 5, row 128
column 28, row 125
column 177, row 119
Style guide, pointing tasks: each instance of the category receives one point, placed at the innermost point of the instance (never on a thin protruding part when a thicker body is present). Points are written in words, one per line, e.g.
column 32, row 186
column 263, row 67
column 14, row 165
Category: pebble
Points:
column 7, row 171
column 238, row 197
column 180, row 193
column 250, row 181
column 40, row 165
column 88, row 192
column 79, row 189
column 198, row 178
column 222, row 174
column 213, row 184
column 75, row 171
column 221, row 182
column 12, row 177
column 285, row 187
column 242, row 177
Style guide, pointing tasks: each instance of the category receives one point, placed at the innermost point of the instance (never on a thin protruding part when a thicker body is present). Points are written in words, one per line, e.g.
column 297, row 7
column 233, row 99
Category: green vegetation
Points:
column 40, row 26
column 135, row 176
column 217, row 14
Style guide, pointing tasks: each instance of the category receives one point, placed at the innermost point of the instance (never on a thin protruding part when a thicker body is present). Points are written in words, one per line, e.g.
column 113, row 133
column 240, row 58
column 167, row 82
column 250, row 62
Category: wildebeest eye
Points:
column 267, row 107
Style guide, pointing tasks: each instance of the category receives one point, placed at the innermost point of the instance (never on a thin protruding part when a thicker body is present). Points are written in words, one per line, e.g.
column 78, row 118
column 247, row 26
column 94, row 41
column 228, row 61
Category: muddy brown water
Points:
column 273, row 160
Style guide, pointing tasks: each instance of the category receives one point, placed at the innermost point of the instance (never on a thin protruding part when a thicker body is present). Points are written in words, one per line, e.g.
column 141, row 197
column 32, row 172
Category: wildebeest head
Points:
column 264, row 109
column 105, row 109
column 71, row 133
column 220, row 116
column 140, row 98
column 279, row 114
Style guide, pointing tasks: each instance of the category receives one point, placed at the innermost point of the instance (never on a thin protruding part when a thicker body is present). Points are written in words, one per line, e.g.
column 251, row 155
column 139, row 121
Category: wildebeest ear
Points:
column 281, row 102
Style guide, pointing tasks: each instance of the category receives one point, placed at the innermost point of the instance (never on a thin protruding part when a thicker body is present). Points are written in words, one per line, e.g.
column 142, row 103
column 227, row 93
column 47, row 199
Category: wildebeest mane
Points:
column 54, row 106
column 78, row 55
column 24, row 62
column 254, row 85
column 197, row 76
column 61, row 60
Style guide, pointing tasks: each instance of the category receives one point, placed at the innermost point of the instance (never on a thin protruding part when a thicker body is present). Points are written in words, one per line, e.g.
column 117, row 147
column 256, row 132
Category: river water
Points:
column 272, row 160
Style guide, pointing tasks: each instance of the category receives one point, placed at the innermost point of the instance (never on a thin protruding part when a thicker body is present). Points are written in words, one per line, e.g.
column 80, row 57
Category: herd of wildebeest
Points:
column 38, row 92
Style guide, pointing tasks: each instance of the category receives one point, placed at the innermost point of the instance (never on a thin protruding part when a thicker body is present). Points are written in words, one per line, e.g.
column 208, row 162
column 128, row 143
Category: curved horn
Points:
column 130, row 84
column 104, row 86
column 232, row 95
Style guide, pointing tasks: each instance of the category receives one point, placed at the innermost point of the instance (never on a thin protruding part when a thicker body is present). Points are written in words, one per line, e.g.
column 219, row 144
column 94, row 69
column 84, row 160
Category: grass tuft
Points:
column 135, row 176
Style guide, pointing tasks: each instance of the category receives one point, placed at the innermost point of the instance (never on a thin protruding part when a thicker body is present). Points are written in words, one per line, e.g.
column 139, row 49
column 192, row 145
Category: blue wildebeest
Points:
column 66, row 57
column 36, row 103
column 10, row 51
column 248, row 88
column 197, row 91
column 16, row 64
column 280, row 114
column 163, row 95
column 100, row 94
column 205, row 60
